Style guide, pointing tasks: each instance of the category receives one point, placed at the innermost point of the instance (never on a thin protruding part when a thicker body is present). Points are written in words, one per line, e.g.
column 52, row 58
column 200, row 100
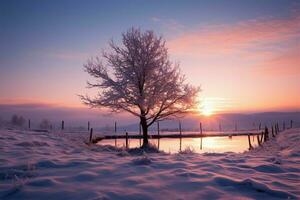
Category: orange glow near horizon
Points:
column 207, row 107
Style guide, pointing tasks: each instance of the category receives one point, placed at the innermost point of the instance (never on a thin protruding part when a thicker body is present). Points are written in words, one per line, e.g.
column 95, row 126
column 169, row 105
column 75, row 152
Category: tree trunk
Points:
column 145, row 131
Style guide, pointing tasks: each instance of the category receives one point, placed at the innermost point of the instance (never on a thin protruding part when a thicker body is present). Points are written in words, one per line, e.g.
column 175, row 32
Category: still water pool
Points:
column 223, row 144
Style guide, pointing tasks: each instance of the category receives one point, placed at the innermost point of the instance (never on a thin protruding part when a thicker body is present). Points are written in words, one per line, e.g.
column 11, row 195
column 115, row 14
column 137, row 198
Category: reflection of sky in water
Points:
column 209, row 144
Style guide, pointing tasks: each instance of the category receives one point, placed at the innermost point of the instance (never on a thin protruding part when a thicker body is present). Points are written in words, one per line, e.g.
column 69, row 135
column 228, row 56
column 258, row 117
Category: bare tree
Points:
column 138, row 77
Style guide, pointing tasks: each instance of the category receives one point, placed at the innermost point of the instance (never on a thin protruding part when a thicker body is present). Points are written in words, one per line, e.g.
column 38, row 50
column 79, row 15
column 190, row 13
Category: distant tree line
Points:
column 17, row 120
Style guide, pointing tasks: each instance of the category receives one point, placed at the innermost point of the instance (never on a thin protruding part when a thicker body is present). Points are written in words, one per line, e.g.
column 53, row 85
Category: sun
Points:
column 207, row 107
column 207, row 111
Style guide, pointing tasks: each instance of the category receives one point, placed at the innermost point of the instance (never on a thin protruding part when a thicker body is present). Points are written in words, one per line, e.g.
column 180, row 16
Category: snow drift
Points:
column 60, row 166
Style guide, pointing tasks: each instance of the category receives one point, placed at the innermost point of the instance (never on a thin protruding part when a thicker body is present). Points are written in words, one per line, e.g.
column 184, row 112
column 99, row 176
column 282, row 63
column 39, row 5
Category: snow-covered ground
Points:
column 59, row 166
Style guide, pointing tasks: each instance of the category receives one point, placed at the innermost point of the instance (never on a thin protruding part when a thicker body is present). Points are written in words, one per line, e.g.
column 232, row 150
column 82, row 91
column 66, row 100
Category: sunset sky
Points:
column 245, row 55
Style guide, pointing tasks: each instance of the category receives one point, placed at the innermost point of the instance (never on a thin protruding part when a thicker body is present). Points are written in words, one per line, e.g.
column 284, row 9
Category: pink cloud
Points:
column 287, row 63
column 271, row 45
column 236, row 37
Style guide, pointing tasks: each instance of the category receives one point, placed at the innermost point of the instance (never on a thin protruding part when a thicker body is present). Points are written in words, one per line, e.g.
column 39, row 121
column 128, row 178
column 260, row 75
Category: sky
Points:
column 243, row 54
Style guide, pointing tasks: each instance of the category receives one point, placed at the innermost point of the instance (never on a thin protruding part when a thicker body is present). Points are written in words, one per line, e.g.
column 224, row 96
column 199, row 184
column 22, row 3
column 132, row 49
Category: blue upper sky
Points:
column 28, row 26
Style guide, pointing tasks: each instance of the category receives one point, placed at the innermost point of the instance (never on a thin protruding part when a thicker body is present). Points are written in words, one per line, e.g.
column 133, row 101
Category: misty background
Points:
column 101, row 120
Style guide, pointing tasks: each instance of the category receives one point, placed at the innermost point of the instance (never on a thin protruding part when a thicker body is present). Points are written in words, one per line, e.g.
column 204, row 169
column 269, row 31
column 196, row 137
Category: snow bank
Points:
column 60, row 166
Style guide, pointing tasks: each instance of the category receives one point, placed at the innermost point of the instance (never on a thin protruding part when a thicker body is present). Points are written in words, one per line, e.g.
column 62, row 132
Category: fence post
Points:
column 258, row 140
column 200, row 126
column 29, row 124
column 62, row 125
column 116, row 134
column 88, row 125
column 291, row 123
column 262, row 137
column 126, row 134
column 201, row 133
column 273, row 131
column 180, row 133
column 158, row 135
column 140, row 134
column 249, row 141
column 259, row 127
column 91, row 135
column 266, row 134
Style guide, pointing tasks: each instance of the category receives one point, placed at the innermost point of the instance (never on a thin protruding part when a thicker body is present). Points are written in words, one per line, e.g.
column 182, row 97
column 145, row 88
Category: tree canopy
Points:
column 138, row 77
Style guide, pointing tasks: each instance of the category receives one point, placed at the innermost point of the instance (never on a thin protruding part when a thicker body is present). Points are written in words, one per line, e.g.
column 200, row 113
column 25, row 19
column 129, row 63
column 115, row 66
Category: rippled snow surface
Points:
column 60, row 166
